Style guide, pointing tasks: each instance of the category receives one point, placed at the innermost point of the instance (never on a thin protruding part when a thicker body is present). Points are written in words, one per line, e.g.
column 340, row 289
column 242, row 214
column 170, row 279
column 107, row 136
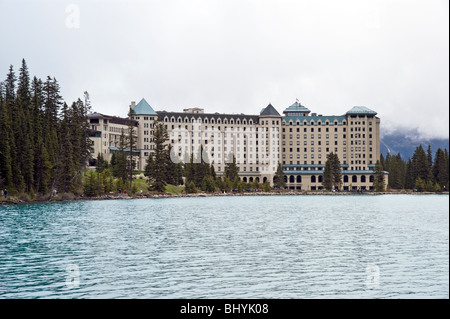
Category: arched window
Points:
column 299, row 179
column 291, row 179
column 313, row 179
column 257, row 179
column 265, row 179
column 251, row 179
column 363, row 178
column 345, row 178
column 245, row 179
column 371, row 178
column 354, row 179
column 320, row 178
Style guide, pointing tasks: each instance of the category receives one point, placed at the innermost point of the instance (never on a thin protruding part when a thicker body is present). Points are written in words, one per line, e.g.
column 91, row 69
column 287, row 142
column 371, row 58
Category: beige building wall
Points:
column 300, row 140
column 106, row 131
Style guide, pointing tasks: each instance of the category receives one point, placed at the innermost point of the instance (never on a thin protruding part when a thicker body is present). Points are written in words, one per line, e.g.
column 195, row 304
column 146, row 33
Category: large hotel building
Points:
column 298, row 139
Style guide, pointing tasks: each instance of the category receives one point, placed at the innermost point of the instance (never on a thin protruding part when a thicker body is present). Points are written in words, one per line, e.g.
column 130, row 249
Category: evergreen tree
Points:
column 440, row 168
column 383, row 162
column 337, row 172
column 208, row 184
column 24, row 128
column 409, row 177
column 328, row 179
column 14, row 121
column 429, row 157
column 178, row 175
column 379, row 178
column 157, row 166
column 332, row 175
column 5, row 141
column 279, row 177
column 419, row 184
column 420, row 166
column 93, row 186
column 189, row 169
column 42, row 164
column 131, row 145
column 190, row 188
column 101, row 164
column 231, row 170
column 119, row 160
column 397, row 170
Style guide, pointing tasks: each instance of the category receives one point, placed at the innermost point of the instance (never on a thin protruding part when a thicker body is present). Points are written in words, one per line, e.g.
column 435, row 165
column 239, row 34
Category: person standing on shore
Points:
column 5, row 193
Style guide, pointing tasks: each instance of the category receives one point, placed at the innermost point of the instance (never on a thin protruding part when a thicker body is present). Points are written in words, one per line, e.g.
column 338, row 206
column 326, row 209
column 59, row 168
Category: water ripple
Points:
column 244, row 247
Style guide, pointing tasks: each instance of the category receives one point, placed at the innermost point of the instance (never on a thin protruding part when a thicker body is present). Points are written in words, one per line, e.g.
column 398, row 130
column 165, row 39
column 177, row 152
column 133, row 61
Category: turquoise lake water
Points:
column 379, row 246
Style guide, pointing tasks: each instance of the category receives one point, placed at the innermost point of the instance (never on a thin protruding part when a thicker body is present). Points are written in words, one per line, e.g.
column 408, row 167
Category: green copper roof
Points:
column 361, row 110
column 143, row 108
column 296, row 108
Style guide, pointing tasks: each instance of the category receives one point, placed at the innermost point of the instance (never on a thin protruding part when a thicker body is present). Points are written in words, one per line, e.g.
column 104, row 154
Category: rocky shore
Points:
column 16, row 201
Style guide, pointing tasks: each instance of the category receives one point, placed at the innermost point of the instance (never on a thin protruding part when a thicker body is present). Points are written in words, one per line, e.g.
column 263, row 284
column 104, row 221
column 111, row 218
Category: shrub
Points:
column 190, row 188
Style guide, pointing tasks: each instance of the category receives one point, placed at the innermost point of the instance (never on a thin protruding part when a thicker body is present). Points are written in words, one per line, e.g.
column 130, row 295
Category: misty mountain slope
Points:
column 405, row 142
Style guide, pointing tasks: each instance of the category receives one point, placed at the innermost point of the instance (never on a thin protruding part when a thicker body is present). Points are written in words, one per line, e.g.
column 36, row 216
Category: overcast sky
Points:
column 237, row 56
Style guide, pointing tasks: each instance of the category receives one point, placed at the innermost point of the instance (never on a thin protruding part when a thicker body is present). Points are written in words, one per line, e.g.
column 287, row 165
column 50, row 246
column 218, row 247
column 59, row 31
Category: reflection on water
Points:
column 390, row 246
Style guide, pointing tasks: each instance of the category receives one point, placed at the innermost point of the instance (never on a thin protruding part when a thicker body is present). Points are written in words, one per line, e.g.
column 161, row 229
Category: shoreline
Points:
column 15, row 201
